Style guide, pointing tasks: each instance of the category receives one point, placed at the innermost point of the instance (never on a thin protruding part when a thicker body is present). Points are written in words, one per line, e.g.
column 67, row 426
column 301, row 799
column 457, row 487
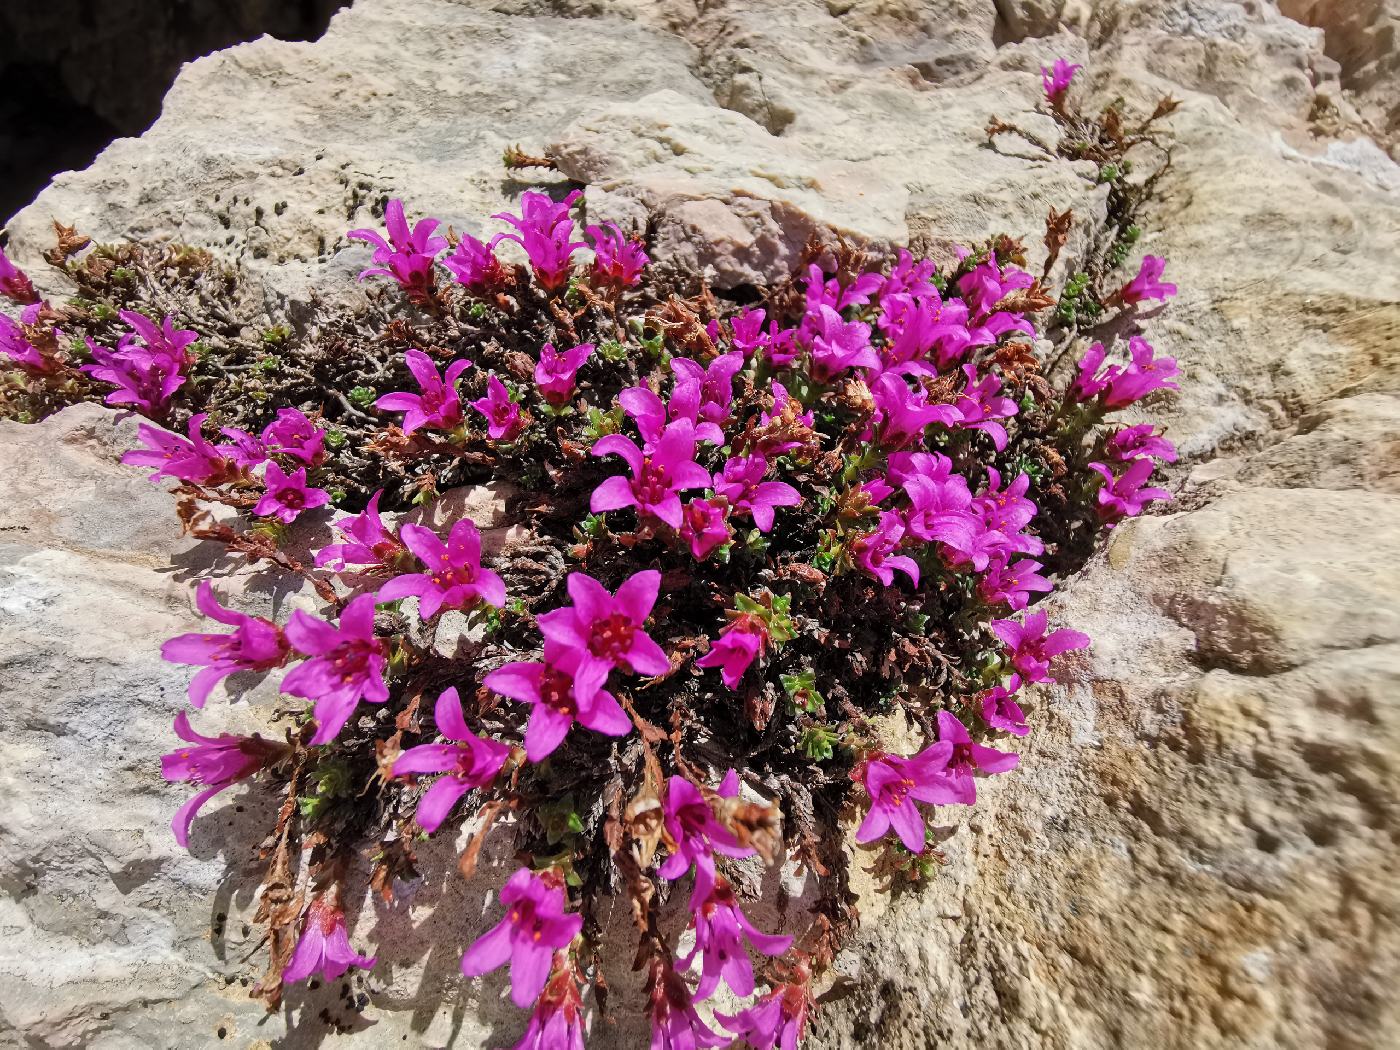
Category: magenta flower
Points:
column 785, row 407
column 902, row 415
column 782, row 345
column 295, row 436
column 657, row 478
column 604, row 631
column 255, row 645
column 407, row 256
column 556, row 1023
column 746, row 328
column 1005, row 509
column 652, row 415
column 714, row 385
column 247, row 450
column 1032, row 649
column 503, row 419
column 874, row 552
column 142, row 379
column 346, row 665
column 980, row 405
column 476, row 267
column 674, row 1023
column 737, row 647
column 1057, row 79
column 705, row 526
column 1131, row 442
column 823, row 292
column 839, row 345
column 775, row 1020
column 191, row 459
column 1012, row 585
column 215, row 763
column 966, row 758
column 1000, row 710
column 1148, row 283
column 437, row 406
column 15, row 344
column 544, row 229
column 287, row 495
column 741, row 482
column 1089, row 382
column 563, row 690
column 454, row 577
column 470, row 763
column 14, row 283
column 987, row 284
column 324, row 948
column 693, row 828
column 1125, row 496
column 556, row 373
column 164, row 342
column 535, row 927
column 1146, row 374
column 368, row 542
column 617, row 261
column 895, row 784
column 720, row 930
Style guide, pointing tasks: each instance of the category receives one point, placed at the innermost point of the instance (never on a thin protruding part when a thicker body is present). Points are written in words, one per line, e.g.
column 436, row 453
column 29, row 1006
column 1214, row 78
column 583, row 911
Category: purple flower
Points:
column 15, row 344
column 874, row 552
column 895, row 784
column 14, row 284
column 324, row 947
column 544, row 230
column 476, row 267
column 346, row 665
column 839, row 345
column 704, row 525
column 556, row 1023
column 1131, row 442
column 712, row 386
column 470, row 763
column 247, row 450
column 1124, row 496
column 1032, row 649
column 966, row 758
column 255, row 645
column 821, row 292
column 145, row 380
column 775, row 1020
column 437, row 406
column 194, row 459
column 1146, row 374
column 986, row 285
column 740, row 481
column 902, row 415
column 1148, row 283
column 1005, row 509
column 287, row 495
column 454, row 578
column 617, row 261
column 534, row 928
column 674, row 1023
column 503, row 419
column 786, row 410
column 407, row 256
column 1012, row 584
column 368, row 541
column 734, row 650
column 1089, row 382
column 657, row 478
column 652, row 415
column 560, row 697
column 164, row 342
column 1056, row 80
column 782, row 345
column 747, row 329
column 556, row 373
column 720, row 930
column 604, row 630
column 695, row 833
column 979, row 406
column 215, row 763
column 295, row 436
column 1000, row 710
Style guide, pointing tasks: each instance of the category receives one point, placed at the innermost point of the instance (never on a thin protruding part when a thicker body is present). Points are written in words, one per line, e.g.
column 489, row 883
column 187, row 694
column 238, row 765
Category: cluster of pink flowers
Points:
column 147, row 366
column 545, row 231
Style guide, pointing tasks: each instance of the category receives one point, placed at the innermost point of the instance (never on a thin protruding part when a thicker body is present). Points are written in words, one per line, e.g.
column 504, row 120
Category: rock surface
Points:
column 1199, row 848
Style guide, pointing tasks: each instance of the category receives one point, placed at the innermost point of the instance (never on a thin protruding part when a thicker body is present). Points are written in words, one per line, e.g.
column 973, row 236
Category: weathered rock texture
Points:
column 1199, row 849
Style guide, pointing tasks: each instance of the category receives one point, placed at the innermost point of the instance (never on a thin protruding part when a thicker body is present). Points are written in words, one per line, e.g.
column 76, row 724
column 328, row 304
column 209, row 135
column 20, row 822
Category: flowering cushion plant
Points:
column 751, row 541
